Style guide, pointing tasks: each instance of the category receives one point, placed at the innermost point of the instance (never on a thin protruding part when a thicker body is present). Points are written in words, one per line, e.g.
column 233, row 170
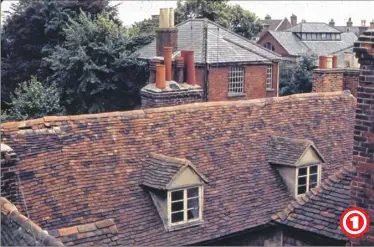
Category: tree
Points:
column 33, row 100
column 30, row 32
column 301, row 80
column 229, row 16
column 94, row 69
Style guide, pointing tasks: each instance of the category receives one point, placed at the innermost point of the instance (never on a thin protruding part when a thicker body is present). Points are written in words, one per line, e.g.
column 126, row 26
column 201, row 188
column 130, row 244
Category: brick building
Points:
column 227, row 66
column 269, row 24
column 309, row 37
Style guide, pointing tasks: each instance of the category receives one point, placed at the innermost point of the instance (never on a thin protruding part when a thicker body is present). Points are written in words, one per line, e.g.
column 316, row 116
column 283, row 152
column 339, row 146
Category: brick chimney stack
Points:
column 267, row 17
column 362, row 189
column 293, row 20
column 9, row 185
column 332, row 23
column 349, row 22
column 371, row 25
column 166, row 33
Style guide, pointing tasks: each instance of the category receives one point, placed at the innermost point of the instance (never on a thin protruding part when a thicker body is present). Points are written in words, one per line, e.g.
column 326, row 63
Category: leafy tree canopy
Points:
column 94, row 68
column 33, row 100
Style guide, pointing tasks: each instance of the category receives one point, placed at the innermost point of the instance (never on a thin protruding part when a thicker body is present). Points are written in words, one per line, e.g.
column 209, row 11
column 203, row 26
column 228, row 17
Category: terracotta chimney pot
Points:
column 190, row 67
column 334, row 61
column 322, row 62
column 168, row 53
column 160, row 76
column 152, row 69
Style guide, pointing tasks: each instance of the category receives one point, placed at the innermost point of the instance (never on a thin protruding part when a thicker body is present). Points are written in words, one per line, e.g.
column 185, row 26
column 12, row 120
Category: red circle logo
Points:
column 354, row 222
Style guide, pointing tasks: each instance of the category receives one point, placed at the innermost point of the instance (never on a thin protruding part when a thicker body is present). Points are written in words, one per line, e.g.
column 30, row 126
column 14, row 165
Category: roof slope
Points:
column 18, row 230
column 312, row 27
column 319, row 210
column 287, row 151
column 99, row 233
column 273, row 23
column 222, row 45
column 295, row 46
column 90, row 165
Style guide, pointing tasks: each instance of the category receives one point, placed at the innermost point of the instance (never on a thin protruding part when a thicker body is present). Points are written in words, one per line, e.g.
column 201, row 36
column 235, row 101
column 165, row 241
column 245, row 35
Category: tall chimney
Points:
column 267, row 17
column 332, row 23
column 371, row 25
column 190, row 66
column 349, row 22
column 160, row 76
column 265, row 27
column 168, row 53
column 322, row 62
column 166, row 33
column 362, row 189
column 293, row 20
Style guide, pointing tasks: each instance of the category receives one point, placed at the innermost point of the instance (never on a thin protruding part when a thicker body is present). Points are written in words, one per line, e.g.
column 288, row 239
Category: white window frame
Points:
column 185, row 209
column 236, row 81
column 269, row 77
column 269, row 46
column 319, row 171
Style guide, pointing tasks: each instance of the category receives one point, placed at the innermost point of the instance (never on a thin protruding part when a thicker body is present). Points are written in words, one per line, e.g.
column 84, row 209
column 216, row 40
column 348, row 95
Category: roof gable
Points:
column 292, row 152
column 163, row 172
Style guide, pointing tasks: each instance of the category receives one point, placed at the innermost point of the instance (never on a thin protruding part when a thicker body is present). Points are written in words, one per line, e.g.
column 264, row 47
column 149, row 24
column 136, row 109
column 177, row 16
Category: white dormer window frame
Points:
column 185, row 197
column 307, row 177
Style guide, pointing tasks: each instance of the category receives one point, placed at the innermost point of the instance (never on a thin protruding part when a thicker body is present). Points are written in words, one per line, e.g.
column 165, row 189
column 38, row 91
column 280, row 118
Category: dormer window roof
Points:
column 298, row 162
column 176, row 188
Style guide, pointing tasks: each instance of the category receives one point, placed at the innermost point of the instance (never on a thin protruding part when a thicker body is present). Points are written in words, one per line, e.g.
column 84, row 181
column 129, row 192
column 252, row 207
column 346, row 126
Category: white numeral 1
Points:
column 354, row 220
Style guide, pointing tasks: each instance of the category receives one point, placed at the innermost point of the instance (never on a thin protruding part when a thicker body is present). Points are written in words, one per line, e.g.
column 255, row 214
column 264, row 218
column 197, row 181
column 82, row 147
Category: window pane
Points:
column 301, row 189
column 312, row 185
column 302, row 171
column 177, row 206
column 193, row 214
column 192, row 192
column 176, row 217
column 313, row 169
column 302, row 181
column 177, row 195
column 313, row 179
column 193, row 203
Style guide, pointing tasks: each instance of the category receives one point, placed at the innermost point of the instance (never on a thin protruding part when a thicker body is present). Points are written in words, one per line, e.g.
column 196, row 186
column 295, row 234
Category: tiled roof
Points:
column 18, row 230
column 273, row 24
column 312, row 27
column 100, row 233
column 353, row 29
column 159, row 170
column 287, row 151
column 294, row 46
column 222, row 45
column 85, row 168
column 319, row 210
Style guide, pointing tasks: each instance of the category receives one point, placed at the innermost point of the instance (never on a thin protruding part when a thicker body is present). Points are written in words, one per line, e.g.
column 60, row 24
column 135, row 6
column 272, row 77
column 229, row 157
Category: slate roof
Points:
column 18, row 230
column 319, row 210
column 85, row 168
column 287, row 151
column 294, row 46
column 312, row 27
column 100, row 233
column 273, row 24
column 223, row 46
column 353, row 29
column 159, row 170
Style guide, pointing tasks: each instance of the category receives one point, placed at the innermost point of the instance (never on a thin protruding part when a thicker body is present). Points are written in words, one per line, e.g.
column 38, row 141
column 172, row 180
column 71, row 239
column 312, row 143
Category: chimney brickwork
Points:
column 362, row 186
column 293, row 20
column 166, row 33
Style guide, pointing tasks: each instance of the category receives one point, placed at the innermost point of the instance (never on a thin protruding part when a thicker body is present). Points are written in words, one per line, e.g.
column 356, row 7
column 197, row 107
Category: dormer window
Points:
column 307, row 178
column 185, row 205
column 176, row 188
column 298, row 162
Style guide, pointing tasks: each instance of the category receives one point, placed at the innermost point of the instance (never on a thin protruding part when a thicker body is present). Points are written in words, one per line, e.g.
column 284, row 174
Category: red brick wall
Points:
column 350, row 80
column 277, row 47
column 254, row 83
column 362, row 187
column 327, row 80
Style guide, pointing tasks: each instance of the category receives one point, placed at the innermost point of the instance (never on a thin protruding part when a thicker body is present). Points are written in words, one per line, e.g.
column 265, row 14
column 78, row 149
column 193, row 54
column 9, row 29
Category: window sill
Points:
column 236, row 95
column 187, row 225
column 269, row 90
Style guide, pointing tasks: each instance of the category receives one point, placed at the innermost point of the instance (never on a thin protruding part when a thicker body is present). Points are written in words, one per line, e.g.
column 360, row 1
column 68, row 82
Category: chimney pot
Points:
column 293, row 20
column 349, row 22
column 267, row 17
column 332, row 22
column 334, row 61
column 363, row 23
column 160, row 76
column 265, row 27
column 329, row 62
column 152, row 70
column 171, row 17
column 179, row 64
column 190, row 66
column 164, row 18
column 322, row 62
column 168, row 53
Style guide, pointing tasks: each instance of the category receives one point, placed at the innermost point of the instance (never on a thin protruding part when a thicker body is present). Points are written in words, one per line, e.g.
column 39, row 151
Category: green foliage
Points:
column 142, row 28
column 300, row 78
column 33, row 100
column 30, row 32
column 94, row 69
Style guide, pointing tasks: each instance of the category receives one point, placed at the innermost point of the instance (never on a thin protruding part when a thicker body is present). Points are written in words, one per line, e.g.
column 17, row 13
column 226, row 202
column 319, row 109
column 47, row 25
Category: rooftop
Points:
column 312, row 27
column 83, row 169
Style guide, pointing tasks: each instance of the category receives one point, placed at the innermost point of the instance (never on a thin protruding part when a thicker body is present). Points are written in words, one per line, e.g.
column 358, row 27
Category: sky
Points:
column 311, row 11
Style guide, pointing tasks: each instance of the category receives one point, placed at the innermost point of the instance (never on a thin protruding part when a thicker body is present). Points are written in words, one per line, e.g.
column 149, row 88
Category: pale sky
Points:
column 311, row 11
